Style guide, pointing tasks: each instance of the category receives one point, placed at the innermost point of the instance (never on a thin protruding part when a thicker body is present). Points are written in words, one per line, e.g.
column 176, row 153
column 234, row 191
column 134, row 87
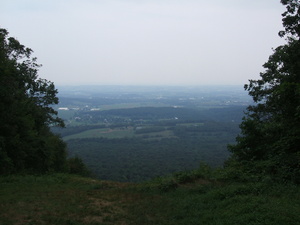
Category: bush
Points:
column 76, row 166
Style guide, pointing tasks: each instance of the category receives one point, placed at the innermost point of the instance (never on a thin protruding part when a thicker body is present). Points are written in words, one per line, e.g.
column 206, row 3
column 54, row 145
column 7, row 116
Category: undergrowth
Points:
column 201, row 196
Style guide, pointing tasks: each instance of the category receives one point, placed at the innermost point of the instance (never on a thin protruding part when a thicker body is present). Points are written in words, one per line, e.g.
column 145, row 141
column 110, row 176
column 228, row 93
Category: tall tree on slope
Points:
column 26, row 143
column 270, row 131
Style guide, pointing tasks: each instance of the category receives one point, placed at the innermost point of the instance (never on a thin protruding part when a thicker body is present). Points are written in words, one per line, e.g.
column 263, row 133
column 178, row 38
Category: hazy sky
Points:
column 167, row 42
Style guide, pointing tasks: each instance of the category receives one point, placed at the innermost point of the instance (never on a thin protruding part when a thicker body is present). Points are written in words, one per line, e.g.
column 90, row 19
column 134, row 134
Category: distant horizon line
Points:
column 148, row 85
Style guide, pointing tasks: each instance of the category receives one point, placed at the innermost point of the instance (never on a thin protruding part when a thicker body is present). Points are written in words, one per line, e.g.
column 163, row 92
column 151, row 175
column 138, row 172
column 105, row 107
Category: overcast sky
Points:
column 138, row 42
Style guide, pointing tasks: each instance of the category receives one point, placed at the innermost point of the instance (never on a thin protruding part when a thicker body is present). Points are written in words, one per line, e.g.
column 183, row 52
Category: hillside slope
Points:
column 184, row 198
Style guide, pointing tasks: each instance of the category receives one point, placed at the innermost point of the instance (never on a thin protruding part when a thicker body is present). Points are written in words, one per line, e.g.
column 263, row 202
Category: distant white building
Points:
column 63, row 108
column 95, row 109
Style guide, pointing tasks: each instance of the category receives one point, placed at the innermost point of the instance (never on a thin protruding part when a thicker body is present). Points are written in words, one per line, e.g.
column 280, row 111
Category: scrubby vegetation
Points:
column 202, row 196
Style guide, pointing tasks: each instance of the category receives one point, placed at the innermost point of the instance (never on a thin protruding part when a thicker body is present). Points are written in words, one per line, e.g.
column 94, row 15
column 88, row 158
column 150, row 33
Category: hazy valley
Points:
column 132, row 133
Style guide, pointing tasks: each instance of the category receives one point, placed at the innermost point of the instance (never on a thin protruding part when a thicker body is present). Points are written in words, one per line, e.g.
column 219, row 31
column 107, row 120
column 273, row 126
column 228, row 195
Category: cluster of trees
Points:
column 270, row 131
column 26, row 141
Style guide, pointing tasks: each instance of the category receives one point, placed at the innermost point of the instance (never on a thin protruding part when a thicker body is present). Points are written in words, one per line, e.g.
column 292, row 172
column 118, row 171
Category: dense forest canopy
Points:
column 269, row 142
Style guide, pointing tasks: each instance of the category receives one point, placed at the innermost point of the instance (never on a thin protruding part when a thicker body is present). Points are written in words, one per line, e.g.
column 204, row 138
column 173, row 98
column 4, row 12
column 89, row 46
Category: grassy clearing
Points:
column 119, row 133
column 157, row 135
column 105, row 133
column 57, row 199
column 190, row 124
column 183, row 198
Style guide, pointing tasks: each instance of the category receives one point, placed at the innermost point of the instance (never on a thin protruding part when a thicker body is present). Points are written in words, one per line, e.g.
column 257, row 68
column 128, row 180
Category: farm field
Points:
column 103, row 133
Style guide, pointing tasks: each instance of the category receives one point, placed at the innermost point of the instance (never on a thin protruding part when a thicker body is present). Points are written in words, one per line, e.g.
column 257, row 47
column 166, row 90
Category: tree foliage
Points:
column 270, row 131
column 76, row 166
column 26, row 143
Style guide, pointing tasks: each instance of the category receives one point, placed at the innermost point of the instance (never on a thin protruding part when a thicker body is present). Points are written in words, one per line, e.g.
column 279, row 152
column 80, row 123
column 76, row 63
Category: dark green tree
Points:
column 270, row 132
column 26, row 142
column 76, row 166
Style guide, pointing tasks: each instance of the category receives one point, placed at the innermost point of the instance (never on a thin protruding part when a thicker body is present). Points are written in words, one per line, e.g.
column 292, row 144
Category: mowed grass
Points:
column 184, row 198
